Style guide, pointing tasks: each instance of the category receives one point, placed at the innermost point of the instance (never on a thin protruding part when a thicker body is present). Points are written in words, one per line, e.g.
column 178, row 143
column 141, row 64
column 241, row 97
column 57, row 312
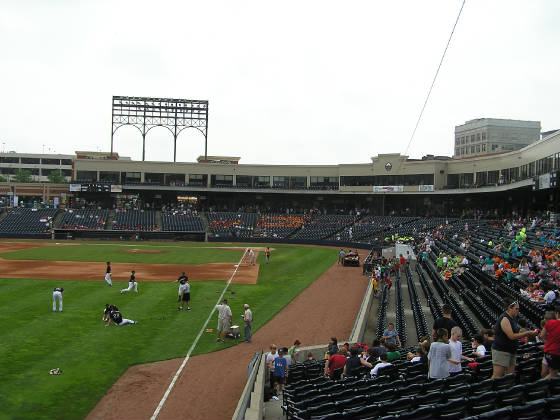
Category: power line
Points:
column 435, row 77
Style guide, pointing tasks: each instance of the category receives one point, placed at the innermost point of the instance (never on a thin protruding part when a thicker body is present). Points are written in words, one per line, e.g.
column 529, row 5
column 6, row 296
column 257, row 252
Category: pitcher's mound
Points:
column 142, row 251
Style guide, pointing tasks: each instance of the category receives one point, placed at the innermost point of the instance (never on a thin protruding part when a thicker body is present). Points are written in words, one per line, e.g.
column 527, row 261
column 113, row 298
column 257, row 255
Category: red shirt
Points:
column 403, row 261
column 552, row 344
column 336, row 361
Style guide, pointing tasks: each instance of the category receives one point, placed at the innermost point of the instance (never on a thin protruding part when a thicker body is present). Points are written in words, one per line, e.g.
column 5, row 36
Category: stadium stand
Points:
column 231, row 225
column 27, row 221
column 181, row 221
column 142, row 220
column 322, row 227
column 280, row 226
column 83, row 219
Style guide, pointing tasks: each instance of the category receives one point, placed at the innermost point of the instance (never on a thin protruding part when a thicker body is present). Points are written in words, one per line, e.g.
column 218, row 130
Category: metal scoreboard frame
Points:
column 147, row 113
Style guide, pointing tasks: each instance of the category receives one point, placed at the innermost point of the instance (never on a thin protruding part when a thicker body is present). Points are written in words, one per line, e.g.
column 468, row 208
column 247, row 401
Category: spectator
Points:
column 457, row 351
column 444, row 322
column 506, row 331
column 333, row 346
column 384, row 363
column 336, row 363
column 391, row 336
column 269, row 359
column 354, row 362
column 439, row 356
column 280, row 370
column 392, row 352
column 551, row 335
column 488, row 336
column 377, row 348
column 479, row 350
column 292, row 351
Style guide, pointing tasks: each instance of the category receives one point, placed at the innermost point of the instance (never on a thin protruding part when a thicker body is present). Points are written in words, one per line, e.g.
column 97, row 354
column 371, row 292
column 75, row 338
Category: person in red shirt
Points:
column 389, row 283
column 336, row 361
column 402, row 261
column 551, row 335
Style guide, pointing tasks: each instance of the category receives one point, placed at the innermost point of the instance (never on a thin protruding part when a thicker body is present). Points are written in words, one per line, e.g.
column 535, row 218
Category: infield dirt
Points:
column 88, row 271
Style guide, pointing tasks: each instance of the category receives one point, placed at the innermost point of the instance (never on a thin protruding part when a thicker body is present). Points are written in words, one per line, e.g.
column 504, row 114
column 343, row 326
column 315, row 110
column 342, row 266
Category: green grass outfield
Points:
column 34, row 340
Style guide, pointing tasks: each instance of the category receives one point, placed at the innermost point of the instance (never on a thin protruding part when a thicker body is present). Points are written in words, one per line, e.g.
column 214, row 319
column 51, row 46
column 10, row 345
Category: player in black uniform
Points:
column 107, row 311
column 117, row 319
column 131, row 283
column 57, row 295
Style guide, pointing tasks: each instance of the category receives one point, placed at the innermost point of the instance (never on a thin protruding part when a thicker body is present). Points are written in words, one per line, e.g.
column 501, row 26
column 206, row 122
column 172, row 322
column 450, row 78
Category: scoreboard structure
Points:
column 147, row 113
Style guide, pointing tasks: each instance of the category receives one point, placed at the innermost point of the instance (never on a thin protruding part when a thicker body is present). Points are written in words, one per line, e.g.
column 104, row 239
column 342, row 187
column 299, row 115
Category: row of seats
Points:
column 181, row 221
column 83, row 219
column 400, row 317
column 28, row 221
column 420, row 322
column 143, row 220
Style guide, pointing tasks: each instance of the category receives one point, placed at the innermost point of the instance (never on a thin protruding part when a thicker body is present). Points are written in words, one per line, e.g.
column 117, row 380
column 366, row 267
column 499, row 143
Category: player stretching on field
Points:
column 117, row 319
column 107, row 311
column 184, row 294
column 131, row 283
column 108, row 274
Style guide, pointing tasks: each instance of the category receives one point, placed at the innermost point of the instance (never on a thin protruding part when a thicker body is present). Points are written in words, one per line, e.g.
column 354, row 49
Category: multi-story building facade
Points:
column 485, row 136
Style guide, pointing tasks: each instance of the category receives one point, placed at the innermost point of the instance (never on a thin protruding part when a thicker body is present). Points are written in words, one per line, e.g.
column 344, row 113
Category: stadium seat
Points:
column 533, row 410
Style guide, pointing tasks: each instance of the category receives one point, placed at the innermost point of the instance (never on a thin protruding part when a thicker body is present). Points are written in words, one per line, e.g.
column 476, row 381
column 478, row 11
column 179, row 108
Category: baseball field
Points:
column 33, row 339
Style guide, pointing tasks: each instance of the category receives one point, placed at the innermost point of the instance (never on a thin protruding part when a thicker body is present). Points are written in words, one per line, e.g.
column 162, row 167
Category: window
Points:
column 457, row 151
column 108, row 176
column 462, row 150
column 483, row 135
column 280, row 182
column 462, row 140
column 484, row 148
column 262, row 182
column 66, row 161
column 478, row 148
column 200, row 180
column 457, row 140
column 478, row 137
column 86, row 176
column 130, row 177
column 9, row 159
column 154, row 178
column 298, row 182
column 221, row 180
column 472, row 138
column 494, row 147
column 50, row 161
column 493, row 177
column 31, row 161
column 472, row 149
column 244, row 181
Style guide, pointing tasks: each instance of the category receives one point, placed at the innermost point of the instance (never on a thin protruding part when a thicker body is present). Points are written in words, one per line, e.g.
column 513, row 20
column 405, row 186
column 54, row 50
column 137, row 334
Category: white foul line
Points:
column 191, row 349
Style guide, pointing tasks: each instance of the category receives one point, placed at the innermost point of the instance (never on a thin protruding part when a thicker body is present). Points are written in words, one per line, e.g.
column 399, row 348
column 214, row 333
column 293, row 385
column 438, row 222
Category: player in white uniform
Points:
column 131, row 284
column 108, row 274
column 184, row 294
column 252, row 257
column 57, row 295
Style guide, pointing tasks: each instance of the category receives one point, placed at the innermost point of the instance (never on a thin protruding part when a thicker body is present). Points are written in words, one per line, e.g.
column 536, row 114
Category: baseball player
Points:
column 184, row 294
column 57, row 295
column 108, row 274
column 182, row 277
column 107, row 311
column 252, row 257
column 117, row 319
column 131, row 283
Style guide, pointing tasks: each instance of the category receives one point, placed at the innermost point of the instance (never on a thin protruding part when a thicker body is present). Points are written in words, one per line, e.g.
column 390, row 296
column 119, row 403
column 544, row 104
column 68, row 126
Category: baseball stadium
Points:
column 359, row 279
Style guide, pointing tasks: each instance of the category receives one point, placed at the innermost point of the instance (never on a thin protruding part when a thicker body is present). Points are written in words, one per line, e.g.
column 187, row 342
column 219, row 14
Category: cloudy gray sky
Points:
column 291, row 82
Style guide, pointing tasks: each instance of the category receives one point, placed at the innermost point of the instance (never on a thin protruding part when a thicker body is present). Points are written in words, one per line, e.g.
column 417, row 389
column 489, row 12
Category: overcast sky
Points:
column 291, row 82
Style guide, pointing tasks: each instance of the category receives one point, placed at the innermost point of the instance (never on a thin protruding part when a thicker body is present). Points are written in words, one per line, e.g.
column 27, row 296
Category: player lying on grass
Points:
column 107, row 311
column 117, row 319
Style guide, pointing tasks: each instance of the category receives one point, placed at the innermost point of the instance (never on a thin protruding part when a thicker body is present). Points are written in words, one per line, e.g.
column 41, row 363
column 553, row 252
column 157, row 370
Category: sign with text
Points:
column 388, row 188
column 116, row 188
column 425, row 188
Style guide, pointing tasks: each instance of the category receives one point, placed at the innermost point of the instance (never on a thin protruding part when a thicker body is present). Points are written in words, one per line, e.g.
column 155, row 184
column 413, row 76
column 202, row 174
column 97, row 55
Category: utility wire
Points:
column 435, row 77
